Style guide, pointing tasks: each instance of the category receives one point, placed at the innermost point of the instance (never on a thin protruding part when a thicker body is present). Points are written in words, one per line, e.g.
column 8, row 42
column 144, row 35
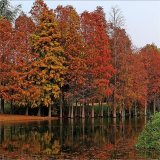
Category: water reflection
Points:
column 79, row 138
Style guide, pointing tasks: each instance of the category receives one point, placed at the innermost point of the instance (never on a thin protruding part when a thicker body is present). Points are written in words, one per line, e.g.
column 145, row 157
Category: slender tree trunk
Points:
column 92, row 123
column 114, row 112
column 145, row 119
column 69, row 111
column 123, row 127
column 76, row 109
column 154, row 105
column 114, row 131
column 115, row 79
column 83, row 129
column 123, row 112
column 92, row 113
column 61, row 132
column 135, row 109
column 80, row 110
column 101, row 109
column 108, row 112
column 2, row 106
column 123, row 109
column 120, row 111
column 145, row 108
column 72, row 110
column 158, row 105
column 61, row 106
column 72, row 131
column 135, row 119
column 83, row 112
column 129, row 110
column 26, row 111
column 50, row 111
column 114, row 102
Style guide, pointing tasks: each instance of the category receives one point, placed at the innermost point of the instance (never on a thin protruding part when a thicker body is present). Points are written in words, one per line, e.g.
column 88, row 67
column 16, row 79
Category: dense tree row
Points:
column 60, row 59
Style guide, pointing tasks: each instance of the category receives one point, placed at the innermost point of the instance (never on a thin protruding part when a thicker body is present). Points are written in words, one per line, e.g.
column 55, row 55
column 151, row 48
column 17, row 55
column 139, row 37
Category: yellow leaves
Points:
column 47, row 88
column 47, row 101
column 43, row 72
column 43, row 80
column 48, row 92
column 50, row 65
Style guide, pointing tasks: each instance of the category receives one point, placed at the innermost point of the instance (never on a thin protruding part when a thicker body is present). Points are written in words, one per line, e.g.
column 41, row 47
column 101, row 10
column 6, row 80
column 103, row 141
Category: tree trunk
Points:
column 2, row 106
column 145, row 108
column 83, row 129
column 123, row 109
column 114, row 132
column 92, row 113
column 114, row 93
column 92, row 124
column 61, row 106
column 76, row 109
column 101, row 109
column 108, row 112
column 26, row 111
column 135, row 109
column 39, row 111
column 72, row 131
column 83, row 114
column 154, row 105
column 114, row 112
column 123, row 112
column 72, row 110
column 61, row 132
column 129, row 112
column 50, row 111
column 69, row 111
column 80, row 110
column 158, row 105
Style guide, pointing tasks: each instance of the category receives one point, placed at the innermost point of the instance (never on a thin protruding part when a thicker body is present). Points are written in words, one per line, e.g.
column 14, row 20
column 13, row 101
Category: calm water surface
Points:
column 73, row 139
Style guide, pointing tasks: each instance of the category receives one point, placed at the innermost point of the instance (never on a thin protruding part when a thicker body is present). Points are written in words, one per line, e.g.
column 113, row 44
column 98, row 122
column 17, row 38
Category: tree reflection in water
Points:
column 79, row 138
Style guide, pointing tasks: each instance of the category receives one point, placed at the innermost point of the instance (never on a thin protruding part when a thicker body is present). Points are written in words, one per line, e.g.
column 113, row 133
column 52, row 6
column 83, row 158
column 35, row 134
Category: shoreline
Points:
column 23, row 118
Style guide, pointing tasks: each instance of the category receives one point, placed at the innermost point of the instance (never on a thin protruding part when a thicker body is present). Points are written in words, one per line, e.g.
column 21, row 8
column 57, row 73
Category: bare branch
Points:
column 116, row 17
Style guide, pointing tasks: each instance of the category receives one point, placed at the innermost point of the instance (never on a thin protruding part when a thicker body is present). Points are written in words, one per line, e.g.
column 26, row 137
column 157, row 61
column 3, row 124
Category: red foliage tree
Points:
column 151, row 59
column 6, row 64
column 37, row 10
column 97, row 54
column 121, row 53
column 26, row 92
column 72, row 42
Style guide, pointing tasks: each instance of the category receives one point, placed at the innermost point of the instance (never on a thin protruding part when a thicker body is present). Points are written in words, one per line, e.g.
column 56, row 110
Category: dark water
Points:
column 73, row 139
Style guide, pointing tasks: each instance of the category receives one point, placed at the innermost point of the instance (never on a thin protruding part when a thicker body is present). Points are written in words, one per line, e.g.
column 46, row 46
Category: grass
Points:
column 21, row 118
column 150, row 136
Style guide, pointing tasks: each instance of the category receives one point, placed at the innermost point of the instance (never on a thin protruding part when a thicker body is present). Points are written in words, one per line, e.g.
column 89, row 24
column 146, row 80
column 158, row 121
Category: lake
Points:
column 99, row 138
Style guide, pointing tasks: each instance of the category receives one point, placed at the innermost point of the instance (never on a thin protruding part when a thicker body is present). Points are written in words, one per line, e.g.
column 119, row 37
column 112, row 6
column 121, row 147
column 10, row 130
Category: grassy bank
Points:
column 21, row 118
column 150, row 136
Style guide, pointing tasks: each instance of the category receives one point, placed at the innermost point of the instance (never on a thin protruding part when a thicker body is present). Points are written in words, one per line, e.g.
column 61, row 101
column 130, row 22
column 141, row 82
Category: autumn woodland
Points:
column 59, row 62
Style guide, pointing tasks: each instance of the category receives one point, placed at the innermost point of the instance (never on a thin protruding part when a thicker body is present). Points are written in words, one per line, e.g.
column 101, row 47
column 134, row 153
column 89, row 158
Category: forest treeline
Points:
column 61, row 60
